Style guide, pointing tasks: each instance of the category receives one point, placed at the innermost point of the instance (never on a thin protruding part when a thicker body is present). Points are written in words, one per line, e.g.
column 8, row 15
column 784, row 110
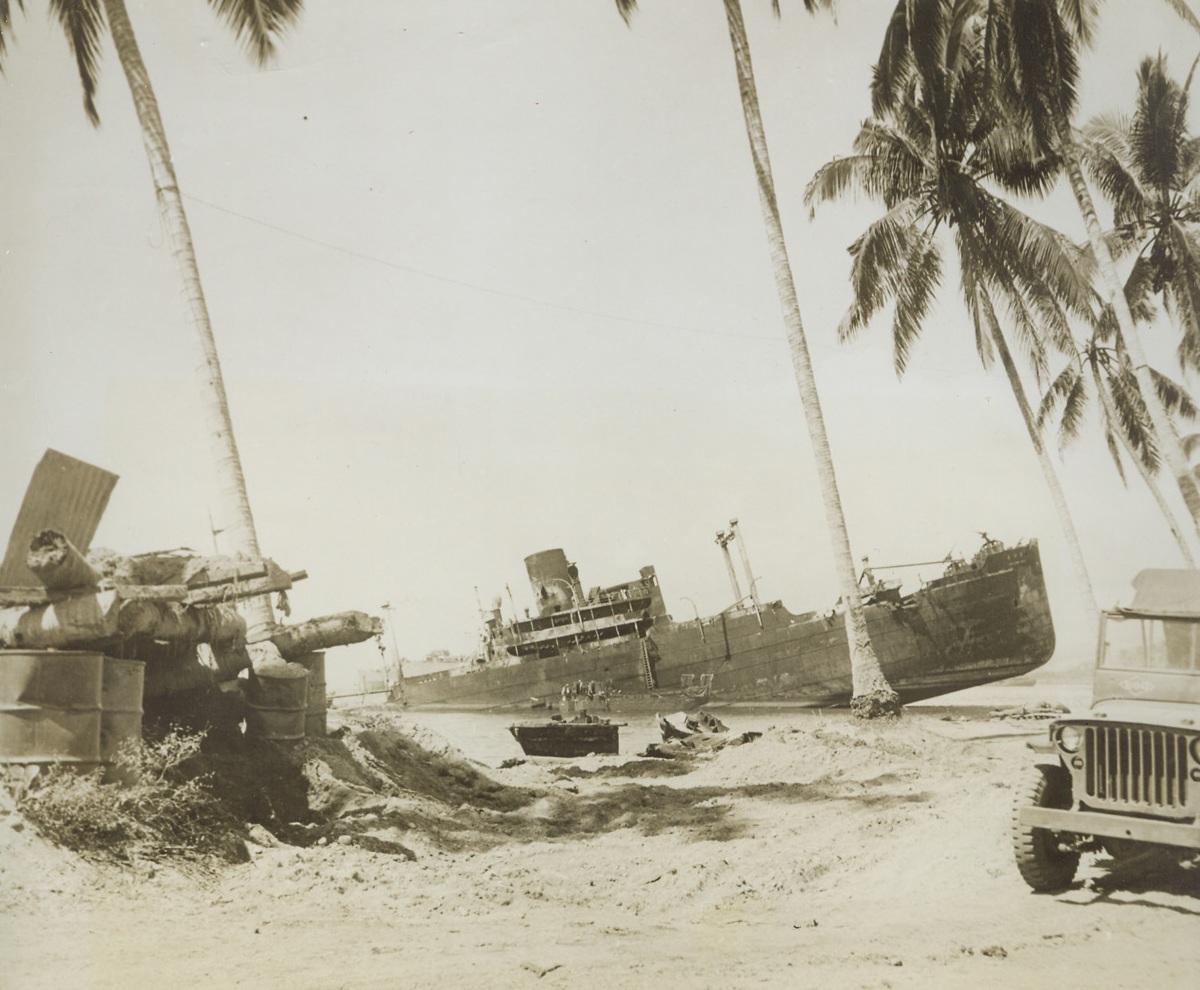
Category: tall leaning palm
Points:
column 872, row 695
column 257, row 23
column 1033, row 65
column 929, row 158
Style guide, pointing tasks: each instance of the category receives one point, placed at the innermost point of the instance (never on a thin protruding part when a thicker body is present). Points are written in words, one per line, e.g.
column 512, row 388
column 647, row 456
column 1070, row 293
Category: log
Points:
column 178, row 623
column 68, row 624
column 58, row 564
column 328, row 631
column 181, row 567
column 89, row 619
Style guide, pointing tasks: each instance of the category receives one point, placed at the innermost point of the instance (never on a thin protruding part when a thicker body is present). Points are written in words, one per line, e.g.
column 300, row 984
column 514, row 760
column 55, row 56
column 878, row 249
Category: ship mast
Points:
column 736, row 534
column 389, row 609
column 723, row 540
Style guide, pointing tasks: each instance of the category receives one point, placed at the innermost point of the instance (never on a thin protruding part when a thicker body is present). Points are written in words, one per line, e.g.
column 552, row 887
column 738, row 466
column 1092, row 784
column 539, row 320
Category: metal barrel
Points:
column 315, row 722
column 276, row 701
column 50, row 707
column 121, row 708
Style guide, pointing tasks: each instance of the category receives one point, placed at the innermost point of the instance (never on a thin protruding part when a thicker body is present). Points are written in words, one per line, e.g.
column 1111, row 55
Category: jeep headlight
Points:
column 1070, row 738
column 1195, row 748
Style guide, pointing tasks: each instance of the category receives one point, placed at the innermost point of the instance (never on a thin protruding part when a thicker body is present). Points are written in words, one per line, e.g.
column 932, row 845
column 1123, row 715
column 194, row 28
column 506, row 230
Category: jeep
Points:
column 1124, row 777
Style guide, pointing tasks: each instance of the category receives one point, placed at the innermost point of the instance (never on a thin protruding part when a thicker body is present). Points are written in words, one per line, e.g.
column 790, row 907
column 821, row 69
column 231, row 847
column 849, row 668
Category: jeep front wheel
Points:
column 1043, row 859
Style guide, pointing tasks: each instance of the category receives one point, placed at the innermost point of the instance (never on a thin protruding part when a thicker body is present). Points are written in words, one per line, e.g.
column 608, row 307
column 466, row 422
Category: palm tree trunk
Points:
column 1171, row 448
column 1114, row 418
column 1065, row 522
column 238, row 519
column 872, row 694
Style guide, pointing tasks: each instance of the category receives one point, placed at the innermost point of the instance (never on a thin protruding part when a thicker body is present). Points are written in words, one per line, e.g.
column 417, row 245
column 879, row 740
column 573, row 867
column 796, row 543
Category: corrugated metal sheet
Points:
column 64, row 494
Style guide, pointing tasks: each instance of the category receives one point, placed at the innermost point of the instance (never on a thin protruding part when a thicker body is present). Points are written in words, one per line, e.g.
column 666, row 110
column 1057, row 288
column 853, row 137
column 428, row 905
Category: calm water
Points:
column 484, row 736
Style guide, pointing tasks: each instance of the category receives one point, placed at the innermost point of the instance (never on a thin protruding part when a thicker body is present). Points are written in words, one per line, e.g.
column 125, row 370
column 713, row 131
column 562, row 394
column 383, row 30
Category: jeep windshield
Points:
column 1147, row 658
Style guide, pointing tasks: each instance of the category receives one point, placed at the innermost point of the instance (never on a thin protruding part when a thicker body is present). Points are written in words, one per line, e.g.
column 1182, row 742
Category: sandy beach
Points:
column 825, row 853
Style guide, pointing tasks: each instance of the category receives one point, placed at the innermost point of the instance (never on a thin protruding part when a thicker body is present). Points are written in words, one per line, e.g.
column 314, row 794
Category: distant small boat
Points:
column 581, row 736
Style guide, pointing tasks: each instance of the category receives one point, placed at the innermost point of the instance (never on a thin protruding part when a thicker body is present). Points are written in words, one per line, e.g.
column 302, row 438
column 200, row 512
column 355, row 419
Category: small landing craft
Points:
column 981, row 620
column 581, row 736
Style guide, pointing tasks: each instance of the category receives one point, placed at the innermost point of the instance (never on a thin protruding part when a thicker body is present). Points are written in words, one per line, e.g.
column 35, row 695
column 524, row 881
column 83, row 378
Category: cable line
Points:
column 363, row 256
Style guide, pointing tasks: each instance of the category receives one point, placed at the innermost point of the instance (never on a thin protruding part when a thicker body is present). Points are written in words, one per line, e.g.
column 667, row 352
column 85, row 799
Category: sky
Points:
column 490, row 277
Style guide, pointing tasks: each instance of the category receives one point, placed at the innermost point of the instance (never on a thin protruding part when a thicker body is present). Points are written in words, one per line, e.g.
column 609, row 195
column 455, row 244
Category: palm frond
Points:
column 1074, row 406
column 886, row 166
column 835, row 179
column 1081, row 17
column 83, row 22
column 1190, row 167
column 972, row 288
column 1032, row 64
column 997, row 280
column 1174, row 397
column 1184, row 11
column 6, row 26
column 894, row 66
column 1154, row 133
column 1132, row 418
column 1061, row 386
column 258, row 23
column 914, row 294
column 1114, row 451
column 879, row 257
column 626, row 8
column 1139, row 290
column 1182, row 291
column 1106, row 154
column 1018, row 166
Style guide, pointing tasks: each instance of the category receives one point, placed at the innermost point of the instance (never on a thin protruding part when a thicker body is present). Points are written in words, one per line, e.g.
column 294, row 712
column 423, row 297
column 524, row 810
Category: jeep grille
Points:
column 1144, row 768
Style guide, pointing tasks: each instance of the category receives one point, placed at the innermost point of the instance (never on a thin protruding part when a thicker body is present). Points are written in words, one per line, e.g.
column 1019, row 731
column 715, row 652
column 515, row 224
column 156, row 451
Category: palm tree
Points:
column 1148, row 166
column 257, row 23
column 1032, row 52
column 872, row 695
column 1126, row 424
column 927, row 159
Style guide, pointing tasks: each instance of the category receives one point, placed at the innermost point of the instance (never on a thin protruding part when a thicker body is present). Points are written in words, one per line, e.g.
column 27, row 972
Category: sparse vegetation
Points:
column 159, row 809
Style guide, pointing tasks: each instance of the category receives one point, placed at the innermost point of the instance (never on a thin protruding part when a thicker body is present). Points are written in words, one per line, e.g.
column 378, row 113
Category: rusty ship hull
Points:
column 981, row 621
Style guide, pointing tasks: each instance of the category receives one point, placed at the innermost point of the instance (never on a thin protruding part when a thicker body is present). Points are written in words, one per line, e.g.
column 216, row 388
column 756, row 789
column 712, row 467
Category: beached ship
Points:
column 981, row 620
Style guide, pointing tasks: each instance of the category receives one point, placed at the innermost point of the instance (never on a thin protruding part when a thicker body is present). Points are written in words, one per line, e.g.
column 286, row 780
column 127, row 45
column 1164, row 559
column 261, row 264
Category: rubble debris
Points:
column 687, row 735
column 175, row 610
column 1038, row 710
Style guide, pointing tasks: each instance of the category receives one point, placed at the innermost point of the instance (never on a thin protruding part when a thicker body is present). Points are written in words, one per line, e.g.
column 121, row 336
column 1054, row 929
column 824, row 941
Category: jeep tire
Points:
column 1041, row 859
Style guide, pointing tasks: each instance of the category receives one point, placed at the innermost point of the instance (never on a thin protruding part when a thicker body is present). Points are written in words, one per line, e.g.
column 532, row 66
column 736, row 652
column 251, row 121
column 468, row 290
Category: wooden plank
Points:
column 221, row 571
column 64, row 494
column 232, row 592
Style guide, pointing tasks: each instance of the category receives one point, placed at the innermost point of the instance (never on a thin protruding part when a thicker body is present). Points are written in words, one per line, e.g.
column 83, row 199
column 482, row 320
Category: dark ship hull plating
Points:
column 983, row 621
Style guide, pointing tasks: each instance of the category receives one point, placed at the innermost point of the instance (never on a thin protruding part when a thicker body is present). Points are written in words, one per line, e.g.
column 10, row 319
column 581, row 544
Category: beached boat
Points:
column 580, row 736
column 981, row 620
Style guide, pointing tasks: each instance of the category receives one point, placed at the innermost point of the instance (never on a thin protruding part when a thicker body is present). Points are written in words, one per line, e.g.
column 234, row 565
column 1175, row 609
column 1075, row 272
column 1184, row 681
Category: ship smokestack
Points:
column 554, row 580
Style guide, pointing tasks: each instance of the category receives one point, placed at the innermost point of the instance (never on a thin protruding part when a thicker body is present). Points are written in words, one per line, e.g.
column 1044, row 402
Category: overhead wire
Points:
column 462, row 283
